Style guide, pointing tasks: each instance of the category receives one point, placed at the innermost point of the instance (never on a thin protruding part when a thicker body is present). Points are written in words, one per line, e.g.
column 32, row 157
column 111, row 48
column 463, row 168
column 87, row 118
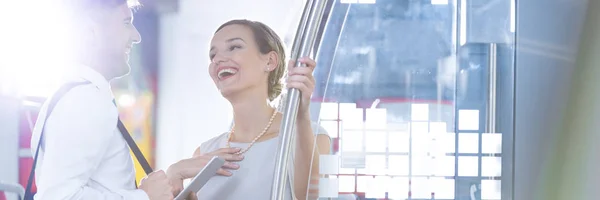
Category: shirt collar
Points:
column 82, row 72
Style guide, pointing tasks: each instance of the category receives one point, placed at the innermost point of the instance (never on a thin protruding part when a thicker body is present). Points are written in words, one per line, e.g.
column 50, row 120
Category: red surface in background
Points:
column 24, row 129
column 25, row 163
column 24, row 168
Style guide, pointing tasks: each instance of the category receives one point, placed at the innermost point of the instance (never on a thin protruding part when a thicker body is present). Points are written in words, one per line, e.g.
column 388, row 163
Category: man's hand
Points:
column 157, row 186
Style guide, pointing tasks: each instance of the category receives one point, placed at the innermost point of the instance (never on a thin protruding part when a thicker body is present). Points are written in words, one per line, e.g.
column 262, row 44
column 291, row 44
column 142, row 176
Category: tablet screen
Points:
column 202, row 178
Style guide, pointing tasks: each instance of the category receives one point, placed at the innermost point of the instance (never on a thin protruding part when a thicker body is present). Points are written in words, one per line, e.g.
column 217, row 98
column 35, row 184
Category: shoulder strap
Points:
column 134, row 148
column 54, row 99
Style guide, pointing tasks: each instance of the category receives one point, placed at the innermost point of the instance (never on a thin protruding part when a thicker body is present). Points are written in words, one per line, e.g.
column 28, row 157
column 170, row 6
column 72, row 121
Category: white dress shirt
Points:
column 83, row 154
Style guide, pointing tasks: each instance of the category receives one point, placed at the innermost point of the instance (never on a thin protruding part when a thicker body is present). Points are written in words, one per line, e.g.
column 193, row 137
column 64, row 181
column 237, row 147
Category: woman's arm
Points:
column 304, row 154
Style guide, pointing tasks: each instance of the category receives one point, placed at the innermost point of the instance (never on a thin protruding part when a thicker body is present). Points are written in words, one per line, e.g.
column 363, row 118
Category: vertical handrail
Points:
column 492, row 77
column 302, row 46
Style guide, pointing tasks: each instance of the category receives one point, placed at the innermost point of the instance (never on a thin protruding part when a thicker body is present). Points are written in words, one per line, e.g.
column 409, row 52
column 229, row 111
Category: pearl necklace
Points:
column 255, row 139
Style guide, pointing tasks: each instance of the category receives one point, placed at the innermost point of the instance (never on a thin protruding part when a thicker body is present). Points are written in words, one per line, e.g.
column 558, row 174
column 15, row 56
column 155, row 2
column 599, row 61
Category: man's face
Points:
column 115, row 38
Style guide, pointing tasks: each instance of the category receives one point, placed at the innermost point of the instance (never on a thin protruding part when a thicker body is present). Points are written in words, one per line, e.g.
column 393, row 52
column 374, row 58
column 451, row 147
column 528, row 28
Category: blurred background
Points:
column 423, row 99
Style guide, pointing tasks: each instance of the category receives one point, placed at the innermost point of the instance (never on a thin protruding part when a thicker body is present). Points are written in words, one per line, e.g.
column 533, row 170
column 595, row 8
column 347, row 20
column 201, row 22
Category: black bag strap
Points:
column 54, row 99
column 134, row 148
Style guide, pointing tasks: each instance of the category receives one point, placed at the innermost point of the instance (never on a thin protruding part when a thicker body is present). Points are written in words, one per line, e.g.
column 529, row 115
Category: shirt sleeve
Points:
column 76, row 137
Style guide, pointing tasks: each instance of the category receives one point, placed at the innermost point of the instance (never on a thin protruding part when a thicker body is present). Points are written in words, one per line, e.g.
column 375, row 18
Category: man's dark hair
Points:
column 90, row 5
column 76, row 9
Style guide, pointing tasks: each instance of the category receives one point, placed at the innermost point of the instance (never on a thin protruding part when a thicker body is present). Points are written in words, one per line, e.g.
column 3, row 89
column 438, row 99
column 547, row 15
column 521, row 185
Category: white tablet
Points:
column 201, row 178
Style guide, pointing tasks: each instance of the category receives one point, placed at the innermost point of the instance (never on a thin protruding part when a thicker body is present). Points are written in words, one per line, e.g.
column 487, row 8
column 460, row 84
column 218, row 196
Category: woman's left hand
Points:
column 302, row 79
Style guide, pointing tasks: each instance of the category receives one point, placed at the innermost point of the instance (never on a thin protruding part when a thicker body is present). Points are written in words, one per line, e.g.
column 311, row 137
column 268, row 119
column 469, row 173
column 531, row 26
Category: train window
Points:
column 402, row 88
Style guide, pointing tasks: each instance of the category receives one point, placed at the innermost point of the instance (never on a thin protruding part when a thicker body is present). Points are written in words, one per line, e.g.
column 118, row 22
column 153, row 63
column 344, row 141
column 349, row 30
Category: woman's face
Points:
column 236, row 62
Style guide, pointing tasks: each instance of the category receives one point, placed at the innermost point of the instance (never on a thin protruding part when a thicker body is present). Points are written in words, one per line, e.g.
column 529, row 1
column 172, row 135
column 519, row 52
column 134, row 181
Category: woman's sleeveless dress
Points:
column 254, row 179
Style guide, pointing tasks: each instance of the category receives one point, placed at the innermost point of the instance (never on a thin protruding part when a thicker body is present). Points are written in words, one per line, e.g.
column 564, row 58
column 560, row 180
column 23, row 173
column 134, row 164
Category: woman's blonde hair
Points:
column 267, row 40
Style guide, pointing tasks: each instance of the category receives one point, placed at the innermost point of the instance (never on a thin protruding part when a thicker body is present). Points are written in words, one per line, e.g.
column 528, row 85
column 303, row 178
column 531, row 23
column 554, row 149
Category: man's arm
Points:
column 76, row 138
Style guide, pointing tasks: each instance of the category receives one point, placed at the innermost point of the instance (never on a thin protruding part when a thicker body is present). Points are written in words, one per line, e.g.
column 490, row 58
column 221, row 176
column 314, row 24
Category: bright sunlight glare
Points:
column 33, row 50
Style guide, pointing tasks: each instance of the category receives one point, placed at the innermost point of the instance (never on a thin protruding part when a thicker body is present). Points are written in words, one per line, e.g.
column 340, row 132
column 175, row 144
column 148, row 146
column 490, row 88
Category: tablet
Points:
column 201, row 178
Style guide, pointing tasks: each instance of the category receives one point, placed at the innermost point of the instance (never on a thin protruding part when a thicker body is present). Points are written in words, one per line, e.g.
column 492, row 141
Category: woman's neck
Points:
column 251, row 116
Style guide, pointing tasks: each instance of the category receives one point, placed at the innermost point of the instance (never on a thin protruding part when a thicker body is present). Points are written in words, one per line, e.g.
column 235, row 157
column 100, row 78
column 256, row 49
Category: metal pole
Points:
column 303, row 43
column 491, row 104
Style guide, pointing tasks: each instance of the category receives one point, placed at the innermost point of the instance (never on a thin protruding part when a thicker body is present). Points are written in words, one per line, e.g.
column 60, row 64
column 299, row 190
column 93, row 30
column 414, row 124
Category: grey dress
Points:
column 254, row 179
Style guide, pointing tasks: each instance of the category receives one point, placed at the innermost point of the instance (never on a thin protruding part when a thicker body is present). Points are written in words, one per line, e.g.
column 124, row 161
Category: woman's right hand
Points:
column 189, row 168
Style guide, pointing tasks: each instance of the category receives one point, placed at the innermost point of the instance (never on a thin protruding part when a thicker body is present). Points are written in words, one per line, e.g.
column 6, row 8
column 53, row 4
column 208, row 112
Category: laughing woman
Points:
column 247, row 64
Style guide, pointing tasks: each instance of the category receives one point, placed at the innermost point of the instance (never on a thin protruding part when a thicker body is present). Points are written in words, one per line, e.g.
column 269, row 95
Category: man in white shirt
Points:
column 83, row 155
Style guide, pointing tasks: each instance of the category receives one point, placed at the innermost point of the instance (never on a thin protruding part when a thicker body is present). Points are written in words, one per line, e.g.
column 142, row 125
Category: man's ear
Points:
column 87, row 30
column 93, row 24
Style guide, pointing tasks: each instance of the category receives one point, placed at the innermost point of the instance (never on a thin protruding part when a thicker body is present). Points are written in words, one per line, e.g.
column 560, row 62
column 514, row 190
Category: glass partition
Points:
column 417, row 96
